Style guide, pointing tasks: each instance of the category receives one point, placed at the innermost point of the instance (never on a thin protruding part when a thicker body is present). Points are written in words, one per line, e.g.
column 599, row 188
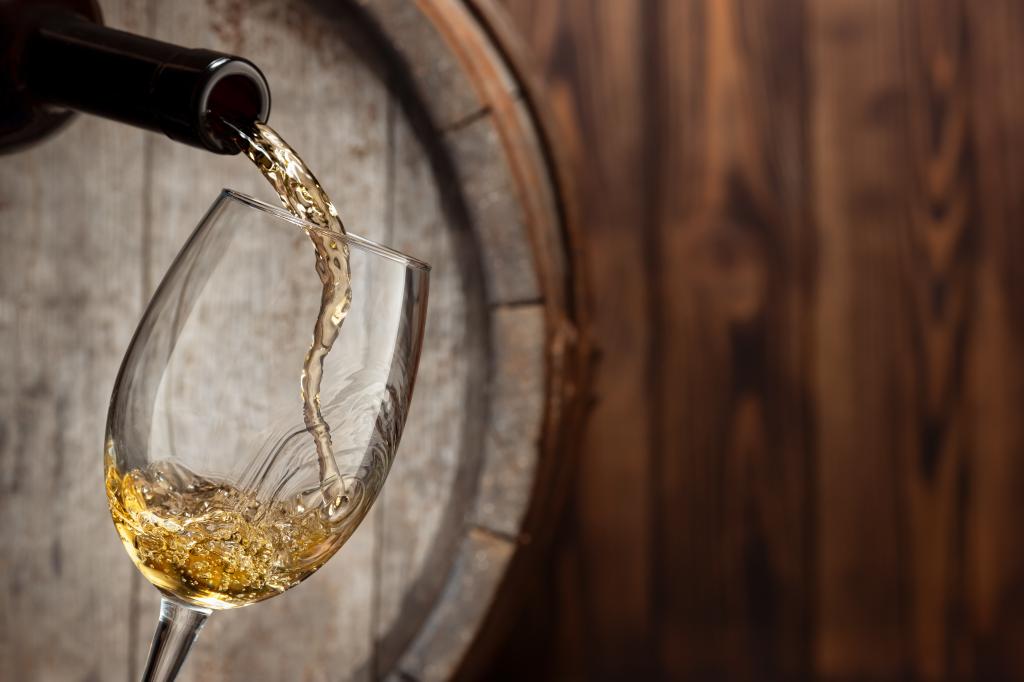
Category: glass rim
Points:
column 349, row 237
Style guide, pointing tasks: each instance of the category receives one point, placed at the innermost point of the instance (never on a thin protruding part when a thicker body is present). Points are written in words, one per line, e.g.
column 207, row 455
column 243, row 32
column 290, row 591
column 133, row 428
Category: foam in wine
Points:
column 211, row 544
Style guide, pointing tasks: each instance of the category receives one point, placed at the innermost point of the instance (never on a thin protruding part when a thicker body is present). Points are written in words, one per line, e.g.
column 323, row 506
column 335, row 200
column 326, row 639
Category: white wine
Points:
column 211, row 544
column 301, row 193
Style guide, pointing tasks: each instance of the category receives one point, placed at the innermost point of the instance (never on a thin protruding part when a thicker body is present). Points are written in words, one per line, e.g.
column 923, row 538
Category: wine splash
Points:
column 212, row 544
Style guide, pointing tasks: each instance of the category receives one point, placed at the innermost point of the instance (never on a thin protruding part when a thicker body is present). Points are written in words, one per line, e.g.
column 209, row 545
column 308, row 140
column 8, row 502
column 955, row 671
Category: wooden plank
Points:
column 864, row 380
column 994, row 608
column 496, row 212
column 943, row 231
column 729, row 256
column 332, row 108
column 433, row 480
column 71, row 219
column 433, row 66
column 436, row 59
column 516, row 389
column 478, row 567
column 616, row 463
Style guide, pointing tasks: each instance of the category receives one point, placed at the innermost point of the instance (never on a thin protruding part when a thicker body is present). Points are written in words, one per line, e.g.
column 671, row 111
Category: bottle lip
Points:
column 218, row 70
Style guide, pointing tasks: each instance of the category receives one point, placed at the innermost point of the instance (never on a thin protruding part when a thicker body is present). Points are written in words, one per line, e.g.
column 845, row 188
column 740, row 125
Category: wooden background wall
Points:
column 805, row 221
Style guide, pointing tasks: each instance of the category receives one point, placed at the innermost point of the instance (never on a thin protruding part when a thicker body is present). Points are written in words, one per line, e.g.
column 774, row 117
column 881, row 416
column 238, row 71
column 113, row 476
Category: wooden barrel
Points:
column 418, row 122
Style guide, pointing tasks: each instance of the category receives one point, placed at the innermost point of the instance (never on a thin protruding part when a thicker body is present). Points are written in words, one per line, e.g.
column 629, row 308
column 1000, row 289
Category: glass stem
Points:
column 177, row 629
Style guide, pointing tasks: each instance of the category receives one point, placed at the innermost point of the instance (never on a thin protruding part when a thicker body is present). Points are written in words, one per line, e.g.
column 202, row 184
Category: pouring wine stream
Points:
column 302, row 195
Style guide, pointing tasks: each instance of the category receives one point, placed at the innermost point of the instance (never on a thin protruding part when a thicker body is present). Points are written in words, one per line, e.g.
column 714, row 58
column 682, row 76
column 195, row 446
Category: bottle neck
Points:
column 65, row 62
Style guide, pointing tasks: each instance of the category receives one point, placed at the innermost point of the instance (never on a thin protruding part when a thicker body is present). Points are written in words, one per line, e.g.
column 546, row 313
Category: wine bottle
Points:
column 58, row 57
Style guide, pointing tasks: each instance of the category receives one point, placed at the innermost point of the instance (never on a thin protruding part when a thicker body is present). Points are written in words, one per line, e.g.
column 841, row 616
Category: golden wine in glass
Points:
column 217, row 483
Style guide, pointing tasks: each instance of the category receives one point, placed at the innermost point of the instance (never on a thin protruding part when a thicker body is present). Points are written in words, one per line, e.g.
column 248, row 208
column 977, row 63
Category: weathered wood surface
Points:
column 804, row 462
column 70, row 294
column 467, row 189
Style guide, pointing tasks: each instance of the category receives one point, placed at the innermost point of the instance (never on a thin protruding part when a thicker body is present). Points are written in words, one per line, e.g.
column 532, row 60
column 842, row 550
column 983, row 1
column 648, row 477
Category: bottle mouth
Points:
column 235, row 91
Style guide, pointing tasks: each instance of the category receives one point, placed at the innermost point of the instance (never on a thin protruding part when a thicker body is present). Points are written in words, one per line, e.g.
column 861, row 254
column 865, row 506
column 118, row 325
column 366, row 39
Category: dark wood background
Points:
column 805, row 223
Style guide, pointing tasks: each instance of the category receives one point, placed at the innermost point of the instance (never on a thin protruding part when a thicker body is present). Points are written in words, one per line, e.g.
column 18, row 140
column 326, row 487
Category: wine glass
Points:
column 214, row 481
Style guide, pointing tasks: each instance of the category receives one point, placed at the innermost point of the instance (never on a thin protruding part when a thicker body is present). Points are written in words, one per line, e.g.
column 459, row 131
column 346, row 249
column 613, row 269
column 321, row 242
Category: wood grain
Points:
column 731, row 252
column 994, row 600
column 864, row 385
column 814, row 359
column 942, row 242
